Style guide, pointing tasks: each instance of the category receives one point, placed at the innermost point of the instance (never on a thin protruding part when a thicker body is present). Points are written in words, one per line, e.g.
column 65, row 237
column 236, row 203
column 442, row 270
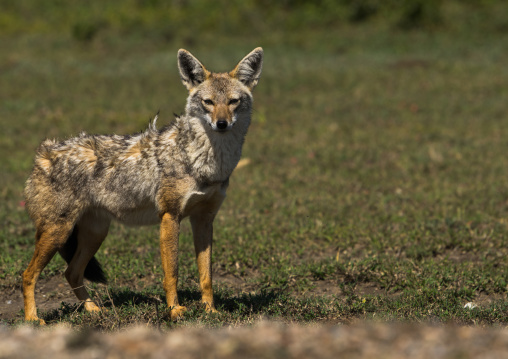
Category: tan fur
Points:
column 78, row 186
column 44, row 163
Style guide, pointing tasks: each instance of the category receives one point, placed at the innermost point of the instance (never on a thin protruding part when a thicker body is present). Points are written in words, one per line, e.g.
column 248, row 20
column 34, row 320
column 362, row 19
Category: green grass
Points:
column 376, row 189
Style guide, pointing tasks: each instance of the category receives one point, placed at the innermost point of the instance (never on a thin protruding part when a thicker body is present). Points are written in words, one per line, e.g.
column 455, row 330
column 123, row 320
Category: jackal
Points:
column 159, row 176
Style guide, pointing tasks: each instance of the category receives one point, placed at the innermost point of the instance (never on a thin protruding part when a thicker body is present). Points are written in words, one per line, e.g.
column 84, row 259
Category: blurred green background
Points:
column 195, row 20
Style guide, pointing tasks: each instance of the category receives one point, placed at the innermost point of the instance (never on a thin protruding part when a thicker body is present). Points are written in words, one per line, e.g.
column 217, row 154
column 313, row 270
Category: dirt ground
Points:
column 49, row 293
column 263, row 340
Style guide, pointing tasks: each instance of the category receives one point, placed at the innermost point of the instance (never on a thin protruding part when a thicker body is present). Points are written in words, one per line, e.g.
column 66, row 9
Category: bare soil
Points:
column 51, row 292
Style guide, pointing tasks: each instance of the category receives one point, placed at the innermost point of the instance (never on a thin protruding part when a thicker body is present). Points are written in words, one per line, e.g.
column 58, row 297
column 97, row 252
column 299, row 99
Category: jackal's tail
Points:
column 93, row 270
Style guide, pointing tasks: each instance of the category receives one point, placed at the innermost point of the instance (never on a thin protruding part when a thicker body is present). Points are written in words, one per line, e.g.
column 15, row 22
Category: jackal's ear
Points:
column 192, row 72
column 249, row 69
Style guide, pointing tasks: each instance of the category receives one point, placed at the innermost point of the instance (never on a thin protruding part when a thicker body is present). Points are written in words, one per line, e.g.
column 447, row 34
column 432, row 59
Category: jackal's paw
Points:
column 90, row 306
column 210, row 307
column 177, row 312
column 35, row 320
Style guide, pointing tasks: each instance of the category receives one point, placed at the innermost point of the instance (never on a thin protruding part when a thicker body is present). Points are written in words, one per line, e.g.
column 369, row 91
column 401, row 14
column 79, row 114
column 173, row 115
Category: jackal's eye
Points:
column 234, row 101
column 208, row 102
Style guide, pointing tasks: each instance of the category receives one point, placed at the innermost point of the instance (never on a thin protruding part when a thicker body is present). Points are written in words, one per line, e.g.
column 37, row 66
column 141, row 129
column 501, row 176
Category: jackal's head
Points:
column 220, row 99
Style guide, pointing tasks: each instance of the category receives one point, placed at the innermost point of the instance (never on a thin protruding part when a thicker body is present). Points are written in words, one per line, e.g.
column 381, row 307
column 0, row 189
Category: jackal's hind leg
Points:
column 91, row 231
column 47, row 243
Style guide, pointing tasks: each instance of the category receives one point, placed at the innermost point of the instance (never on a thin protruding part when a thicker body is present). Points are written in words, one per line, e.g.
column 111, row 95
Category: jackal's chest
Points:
column 214, row 158
column 205, row 199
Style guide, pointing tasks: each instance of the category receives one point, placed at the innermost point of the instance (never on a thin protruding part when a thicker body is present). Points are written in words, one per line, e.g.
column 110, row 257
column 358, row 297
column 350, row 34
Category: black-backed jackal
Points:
column 159, row 176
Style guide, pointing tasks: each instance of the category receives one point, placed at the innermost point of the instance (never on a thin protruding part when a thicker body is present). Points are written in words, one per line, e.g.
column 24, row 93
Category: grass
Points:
column 376, row 187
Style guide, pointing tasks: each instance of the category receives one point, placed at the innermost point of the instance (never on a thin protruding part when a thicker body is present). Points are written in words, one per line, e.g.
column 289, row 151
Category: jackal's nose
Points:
column 222, row 124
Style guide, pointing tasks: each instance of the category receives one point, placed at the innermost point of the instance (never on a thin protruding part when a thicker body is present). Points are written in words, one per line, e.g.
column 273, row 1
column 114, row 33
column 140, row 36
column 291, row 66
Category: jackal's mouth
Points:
column 222, row 130
column 221, row 126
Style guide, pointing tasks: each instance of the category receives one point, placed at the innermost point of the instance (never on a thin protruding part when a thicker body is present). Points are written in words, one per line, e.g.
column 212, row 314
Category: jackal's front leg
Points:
column 170, row 227
column 202, row 228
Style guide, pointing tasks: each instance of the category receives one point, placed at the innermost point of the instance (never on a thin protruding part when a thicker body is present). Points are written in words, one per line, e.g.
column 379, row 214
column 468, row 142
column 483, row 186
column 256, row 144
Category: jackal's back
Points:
column 110, row 172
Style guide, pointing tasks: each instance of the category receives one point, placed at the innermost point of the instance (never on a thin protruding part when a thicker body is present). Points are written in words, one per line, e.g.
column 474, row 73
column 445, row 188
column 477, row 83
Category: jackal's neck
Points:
column 211, row 156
